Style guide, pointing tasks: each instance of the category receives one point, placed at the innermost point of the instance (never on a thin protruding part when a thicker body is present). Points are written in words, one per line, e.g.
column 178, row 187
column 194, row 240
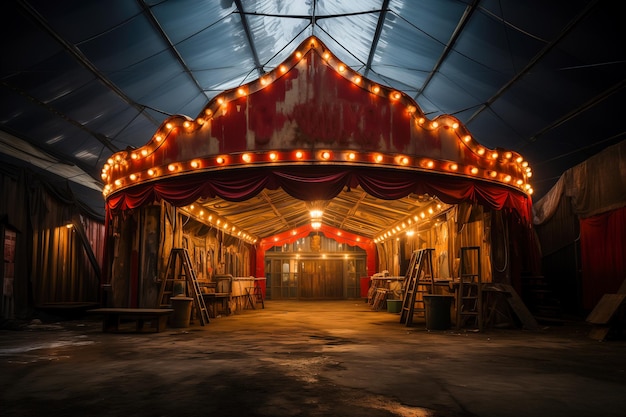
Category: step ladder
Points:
column 469, row 301
column 417, row 282
column 179, row 271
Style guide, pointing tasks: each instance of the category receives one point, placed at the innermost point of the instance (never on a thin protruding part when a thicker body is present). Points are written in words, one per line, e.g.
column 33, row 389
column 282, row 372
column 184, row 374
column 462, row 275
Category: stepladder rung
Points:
column 418, row 281
column 469, row 309
column 179, row 269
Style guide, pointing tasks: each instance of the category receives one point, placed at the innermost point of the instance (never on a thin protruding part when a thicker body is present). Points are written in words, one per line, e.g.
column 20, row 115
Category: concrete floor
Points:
column 309, row 359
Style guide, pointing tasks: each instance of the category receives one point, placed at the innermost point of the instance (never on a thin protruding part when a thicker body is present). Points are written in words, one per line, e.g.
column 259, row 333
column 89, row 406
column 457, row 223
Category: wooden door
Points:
column 322, row 279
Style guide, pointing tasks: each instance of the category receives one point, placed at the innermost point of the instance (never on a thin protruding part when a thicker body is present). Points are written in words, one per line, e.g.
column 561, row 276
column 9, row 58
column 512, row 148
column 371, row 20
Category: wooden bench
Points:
column 113, row 317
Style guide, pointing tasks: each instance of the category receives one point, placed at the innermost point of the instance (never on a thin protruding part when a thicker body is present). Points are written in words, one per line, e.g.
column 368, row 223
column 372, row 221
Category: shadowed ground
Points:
column 335, row 358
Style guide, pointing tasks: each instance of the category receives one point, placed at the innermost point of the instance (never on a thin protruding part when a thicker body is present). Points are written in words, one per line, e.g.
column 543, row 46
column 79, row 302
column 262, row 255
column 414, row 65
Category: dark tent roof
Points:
column 83, row 79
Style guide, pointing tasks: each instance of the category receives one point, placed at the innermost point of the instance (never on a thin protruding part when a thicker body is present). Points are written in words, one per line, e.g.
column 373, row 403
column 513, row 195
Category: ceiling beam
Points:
column 251, row 44
column 77, row 54
column 535, row 60
column 377, row 33
column 469, row 10
column 173, row 50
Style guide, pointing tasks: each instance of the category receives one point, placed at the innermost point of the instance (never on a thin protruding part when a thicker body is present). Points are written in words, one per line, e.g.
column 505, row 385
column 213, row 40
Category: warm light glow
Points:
column 195, row 164
column 342, row 68
column 187, row 124
column 283, row 69
column 241, row 91
column 298, row 54
column 507, row 178
column 158, row 138
column 246, row 157
column 474, row 170
column 378, row 158
column 171, row 167
column 430, row 164
column 273, row 156
column 481, row 151
column 494, row 155
column 326, row 55
column 144, row 152
column 208, row 112
column 375, row 89
column 454, row 167
column 151, row 172
column 299, row 154
column 357, row 80
column 421, row 121
column 264, row 81
column 219, row 160
column 118, row 182
column 325, row 155
column 508, row 155
column 435, row 125
column 133, row 177
column 411, row 109
column 455, row 125
column 396, row 95
column 316, row 213
column 467, row 138
column 404, row 160
column 316, row 224
column 351, row 156
column 493, row 174
column 169, row 126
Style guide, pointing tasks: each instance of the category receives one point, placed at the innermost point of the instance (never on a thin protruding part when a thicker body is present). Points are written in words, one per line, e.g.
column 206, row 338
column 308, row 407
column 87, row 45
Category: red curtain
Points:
column 321, row 183
column 603, row 253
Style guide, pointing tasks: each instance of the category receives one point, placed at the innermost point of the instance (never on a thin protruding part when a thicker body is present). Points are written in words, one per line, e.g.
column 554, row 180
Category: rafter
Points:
column 379, row 30
column 251, row 44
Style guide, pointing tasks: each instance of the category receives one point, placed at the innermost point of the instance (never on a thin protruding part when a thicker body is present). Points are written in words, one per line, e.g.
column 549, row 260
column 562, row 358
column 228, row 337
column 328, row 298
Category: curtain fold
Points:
column 310, row 183
column 603, row 255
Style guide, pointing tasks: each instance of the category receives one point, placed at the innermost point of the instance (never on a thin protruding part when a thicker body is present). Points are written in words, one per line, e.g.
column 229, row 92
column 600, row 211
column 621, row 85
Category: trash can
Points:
column 394, row 306
column 438, row 311
column 182, row 311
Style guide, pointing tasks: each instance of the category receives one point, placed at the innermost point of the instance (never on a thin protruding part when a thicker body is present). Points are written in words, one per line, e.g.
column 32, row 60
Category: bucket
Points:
column 438, row 311
column 394, row 306
column 182, row 311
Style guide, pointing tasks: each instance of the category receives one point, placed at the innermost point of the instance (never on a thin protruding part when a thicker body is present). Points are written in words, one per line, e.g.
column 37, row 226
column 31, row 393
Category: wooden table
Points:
column 113, row 317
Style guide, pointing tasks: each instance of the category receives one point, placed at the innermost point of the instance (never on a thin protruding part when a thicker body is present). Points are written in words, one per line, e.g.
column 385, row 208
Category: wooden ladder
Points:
column 469, row 302
column 180, row 271
column 418, row 281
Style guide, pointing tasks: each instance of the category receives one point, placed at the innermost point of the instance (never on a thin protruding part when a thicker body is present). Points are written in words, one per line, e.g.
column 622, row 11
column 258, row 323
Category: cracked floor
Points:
column 330, row 358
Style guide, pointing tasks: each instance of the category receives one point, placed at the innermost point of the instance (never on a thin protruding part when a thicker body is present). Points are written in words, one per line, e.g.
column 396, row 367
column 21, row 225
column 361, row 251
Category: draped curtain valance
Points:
column 321, row 183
